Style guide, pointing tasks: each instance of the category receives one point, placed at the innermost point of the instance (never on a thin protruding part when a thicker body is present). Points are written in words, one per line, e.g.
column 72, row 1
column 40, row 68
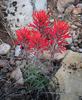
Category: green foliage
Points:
column 34, row 79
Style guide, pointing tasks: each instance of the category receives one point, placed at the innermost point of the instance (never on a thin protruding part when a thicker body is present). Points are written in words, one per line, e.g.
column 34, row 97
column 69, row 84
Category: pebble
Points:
column 4, row 48
column 80, row 50
column 3, row 63
column 69, row 9
column 79, row 5
column 59, row 56
column 74, row 27
column 78, row 24
column 77, row 10
column 17, row 50
column 17, row 75
column 62, row 4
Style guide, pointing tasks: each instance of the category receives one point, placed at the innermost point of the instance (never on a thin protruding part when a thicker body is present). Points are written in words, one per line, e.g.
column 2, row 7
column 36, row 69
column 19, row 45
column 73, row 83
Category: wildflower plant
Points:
column 41, row 36
column 36, row 38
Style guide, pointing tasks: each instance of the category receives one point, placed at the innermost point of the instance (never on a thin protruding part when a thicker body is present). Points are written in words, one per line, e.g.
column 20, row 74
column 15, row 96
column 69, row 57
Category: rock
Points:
column 73, row 48
column 69, row 9
column 66, row 96
column 70, row 77
column 24, row 63
column 74, row 34
column 57, row 56
column 40, row 5
column 77, row 10
column 74, row 27
column 52, row 3
column 78, row 24
column 75, row 58
column 21, row 63
column 17, row 75
column 17, row 50
column 18, row 62
column 79, row 5
column 80, row 50
column 4, row 48
column 62, row 4
column 18, row 13
column 3, row 63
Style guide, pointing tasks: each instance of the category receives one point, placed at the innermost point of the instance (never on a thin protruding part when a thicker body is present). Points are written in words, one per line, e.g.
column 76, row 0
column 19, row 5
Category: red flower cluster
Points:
column 60, row 34
column 42, row 35
column 41, row 19
column 31, row 39
column 41, row 22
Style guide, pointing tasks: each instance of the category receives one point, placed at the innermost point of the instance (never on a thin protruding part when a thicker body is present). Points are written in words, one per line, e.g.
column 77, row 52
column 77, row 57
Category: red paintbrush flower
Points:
column 60, row 34
column 22, row 35
column 40, row 21
column 31, row 39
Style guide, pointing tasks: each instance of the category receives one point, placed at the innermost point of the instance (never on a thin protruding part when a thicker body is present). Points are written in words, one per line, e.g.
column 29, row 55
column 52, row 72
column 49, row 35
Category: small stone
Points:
column 51, row 20
column 80, row 50
column 4, row 48
column 18, row 63
column 17, row 50
column 74, row 27
column 23, row 64
column 79, row 5
column 73, row 48
column 77, row 11
column 69, row 9
column 78, row 24
column 62, row 4
column 3, row 63
column 17, row 75
column 74, row 35
column 59, row 56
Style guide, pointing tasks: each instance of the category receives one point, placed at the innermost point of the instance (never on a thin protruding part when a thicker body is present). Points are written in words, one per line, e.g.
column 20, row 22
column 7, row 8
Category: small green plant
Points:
column 34, row 79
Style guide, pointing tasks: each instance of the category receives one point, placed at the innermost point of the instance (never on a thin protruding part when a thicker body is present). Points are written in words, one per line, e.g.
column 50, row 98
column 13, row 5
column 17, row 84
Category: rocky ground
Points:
column 69, row 75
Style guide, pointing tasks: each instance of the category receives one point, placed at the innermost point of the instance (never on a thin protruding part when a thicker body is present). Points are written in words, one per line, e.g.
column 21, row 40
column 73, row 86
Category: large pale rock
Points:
column 18, row 13
column 62, row 4
column 70, row 77
column 17, row 75
column 4, row 48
